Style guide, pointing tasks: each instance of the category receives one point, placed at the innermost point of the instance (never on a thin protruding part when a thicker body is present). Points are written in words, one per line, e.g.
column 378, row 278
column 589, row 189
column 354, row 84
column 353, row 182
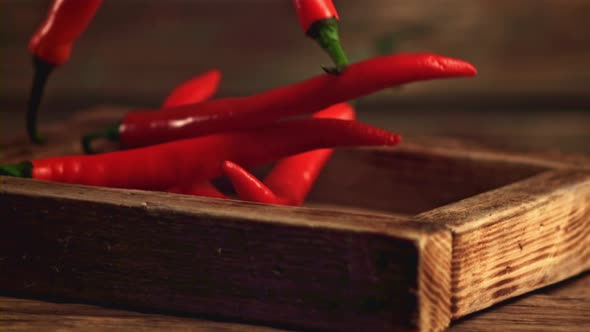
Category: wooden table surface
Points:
column 561, row 307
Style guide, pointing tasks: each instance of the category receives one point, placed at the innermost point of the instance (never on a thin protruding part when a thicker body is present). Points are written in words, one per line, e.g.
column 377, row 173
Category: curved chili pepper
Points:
column 319, row 20
column 195, row 90
column 248, row 187
column 291, row 179
column 312, row 95
column 51, row 46
column 163, row 166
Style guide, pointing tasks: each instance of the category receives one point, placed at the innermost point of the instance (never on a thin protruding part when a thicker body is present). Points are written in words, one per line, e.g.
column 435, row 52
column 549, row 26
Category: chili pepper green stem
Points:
column 325, row 32
column 22, row 170
column 111, row 134
column 42, row 71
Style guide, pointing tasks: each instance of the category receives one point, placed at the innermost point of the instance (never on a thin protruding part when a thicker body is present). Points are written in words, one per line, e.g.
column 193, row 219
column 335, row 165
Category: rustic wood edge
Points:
column 517, row 238
column 434, row 282
column 156, row 202
column 562, row 307
column 432, row 242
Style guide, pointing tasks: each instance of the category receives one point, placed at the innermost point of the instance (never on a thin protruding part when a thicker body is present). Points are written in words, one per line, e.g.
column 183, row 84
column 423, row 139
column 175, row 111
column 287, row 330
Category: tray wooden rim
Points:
column 446, row 239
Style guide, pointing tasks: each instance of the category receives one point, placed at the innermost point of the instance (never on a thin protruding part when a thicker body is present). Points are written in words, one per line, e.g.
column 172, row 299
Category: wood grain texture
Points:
column 160, row 251
column 563, row 307
column 517, row 238
column 434, row 282
column 17, row 314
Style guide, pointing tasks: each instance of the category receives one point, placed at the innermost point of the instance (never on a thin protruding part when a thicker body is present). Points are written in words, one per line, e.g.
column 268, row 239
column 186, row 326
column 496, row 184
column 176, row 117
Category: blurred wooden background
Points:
column 136, row 50
column 531, row 55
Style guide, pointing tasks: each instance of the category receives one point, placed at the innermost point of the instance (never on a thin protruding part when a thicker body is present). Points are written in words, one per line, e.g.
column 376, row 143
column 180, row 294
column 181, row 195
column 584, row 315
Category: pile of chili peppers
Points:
column 191, row 140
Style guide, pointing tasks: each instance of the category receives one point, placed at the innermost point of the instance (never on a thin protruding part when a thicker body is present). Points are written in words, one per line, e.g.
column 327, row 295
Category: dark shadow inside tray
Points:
column 409, row 182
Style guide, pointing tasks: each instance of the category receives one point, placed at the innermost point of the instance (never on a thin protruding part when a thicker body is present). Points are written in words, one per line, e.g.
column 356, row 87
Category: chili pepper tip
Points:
column 247, row 186
column 451, row 65
column 111, row 134
column 22, row 170
column 471, row 68
column 42, row 70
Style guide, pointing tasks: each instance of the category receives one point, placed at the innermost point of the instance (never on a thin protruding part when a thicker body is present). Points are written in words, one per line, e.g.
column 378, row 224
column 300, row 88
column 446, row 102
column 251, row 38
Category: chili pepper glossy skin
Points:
column 51, row 46
column 65, row 21
column 291, row 179
column 200, row 159
column 248, row 187
column 312, row 95
column 195, row 90
column 311, row 11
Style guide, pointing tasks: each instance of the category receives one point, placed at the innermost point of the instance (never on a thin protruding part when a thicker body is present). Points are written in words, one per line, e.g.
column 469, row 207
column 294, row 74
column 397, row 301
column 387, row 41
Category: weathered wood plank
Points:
column 512, row 240
column 311, row 268
column 33, row 315
column 435, row 281
column 563, row 307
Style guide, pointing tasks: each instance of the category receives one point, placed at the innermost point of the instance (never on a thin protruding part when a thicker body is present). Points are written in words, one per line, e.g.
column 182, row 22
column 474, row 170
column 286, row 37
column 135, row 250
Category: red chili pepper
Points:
column 195, row 90
column 200, row 159
column 319, row 20
column 311, row 11
column 222, row 115
column 51, row 46
column 248, row 187
column 293, row 175
column 64, row 23
column 291, row 179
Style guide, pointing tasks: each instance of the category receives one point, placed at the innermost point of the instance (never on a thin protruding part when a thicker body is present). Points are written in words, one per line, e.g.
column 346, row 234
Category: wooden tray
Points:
column 404, row 238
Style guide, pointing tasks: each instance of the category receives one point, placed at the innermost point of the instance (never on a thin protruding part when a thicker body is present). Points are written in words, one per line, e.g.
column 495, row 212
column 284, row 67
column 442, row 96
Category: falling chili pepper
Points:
column 319, row 20
column 291, row 179
column 195, row 90
column 312, row 95
column 293, row 175
column 51, row 46
column 163, row 166
column 248, row 187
